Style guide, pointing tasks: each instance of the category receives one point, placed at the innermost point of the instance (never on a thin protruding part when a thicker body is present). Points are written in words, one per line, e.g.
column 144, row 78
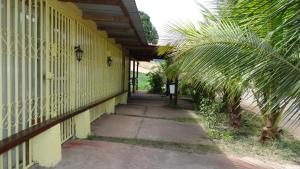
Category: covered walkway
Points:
column 148, row 134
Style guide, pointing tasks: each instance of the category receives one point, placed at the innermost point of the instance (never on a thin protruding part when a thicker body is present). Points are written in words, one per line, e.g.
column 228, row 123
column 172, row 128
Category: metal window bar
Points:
column 40, row 77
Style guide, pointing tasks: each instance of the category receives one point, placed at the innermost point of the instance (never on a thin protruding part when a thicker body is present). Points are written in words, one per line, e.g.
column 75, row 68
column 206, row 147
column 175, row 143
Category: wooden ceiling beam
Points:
column 122, row 36
column 106, row 18
column 141, row 47
column 111, row 31
column 110, row 2
column 127, row 39
column 115, row 29
column 127, row 42
column 102, row 2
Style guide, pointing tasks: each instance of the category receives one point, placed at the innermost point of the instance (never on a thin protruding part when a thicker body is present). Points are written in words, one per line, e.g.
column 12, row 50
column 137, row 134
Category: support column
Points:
column 83, row 125
column 137, row 76
column 123, row 72
column 46, row 147
column 168, row 87
column 129, row 77
column 176, row 91
column 133, row 77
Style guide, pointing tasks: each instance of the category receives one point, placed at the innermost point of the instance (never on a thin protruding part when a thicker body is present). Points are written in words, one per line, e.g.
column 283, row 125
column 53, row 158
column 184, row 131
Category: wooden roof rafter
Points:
column 105, row 18
column 102, row 2
column 120, row 19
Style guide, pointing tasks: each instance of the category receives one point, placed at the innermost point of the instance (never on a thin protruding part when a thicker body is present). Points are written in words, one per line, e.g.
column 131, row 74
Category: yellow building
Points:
column 63, row 64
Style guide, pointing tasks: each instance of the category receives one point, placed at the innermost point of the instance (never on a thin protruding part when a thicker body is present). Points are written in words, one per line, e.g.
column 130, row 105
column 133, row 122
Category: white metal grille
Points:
column 40, row 77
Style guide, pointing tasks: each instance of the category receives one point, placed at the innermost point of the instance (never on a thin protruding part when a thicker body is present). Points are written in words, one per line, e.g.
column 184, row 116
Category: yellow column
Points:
column 110, row 106
column 46, row 147
column 83, row 125
column 123, row 98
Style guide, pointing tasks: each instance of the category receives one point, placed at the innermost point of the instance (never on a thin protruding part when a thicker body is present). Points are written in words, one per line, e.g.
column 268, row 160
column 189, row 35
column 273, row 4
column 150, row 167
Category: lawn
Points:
column 245, row 141
column 143, row 82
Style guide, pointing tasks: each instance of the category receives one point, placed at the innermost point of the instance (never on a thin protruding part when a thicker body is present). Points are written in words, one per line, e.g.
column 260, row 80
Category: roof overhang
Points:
column 144, row 53
column 121, row 20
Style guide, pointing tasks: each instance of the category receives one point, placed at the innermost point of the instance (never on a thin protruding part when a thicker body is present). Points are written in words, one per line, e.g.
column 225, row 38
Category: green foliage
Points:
column 144, row 82
column 202, row 92
column 218, row 122
column 150, row 30
column 184, row 89
column 223, row 54
column 217, row 125
column 276, row 22
column 156, row 81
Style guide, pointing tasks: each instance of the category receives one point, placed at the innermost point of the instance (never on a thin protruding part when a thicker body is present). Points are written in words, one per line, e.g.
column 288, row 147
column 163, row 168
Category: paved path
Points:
column 106, row 155
column 149, row 129
column 146, row 117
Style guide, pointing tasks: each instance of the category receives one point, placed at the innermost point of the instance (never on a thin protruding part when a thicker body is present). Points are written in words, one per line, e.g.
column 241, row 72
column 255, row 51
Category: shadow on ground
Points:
column 143, row 135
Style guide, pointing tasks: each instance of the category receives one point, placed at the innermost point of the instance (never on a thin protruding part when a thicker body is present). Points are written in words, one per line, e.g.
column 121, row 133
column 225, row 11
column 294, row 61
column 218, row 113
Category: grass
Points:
column 245, row 141
column 187, row 120
column 143, row 82
column 181, row 147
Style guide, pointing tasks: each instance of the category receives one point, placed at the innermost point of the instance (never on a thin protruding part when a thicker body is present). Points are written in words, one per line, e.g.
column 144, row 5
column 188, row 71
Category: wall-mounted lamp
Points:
column 109, row 61
column 79, row 53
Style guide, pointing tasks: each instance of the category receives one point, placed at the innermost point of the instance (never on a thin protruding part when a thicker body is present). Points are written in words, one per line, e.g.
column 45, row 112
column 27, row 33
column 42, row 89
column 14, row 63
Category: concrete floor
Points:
column 149, row 129
column 105, row 155
column 154, row 111
column 142, row 118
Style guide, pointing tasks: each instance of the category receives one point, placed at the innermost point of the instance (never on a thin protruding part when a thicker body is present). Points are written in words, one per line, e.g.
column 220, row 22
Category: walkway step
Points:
column 154, row 111
column 149, row 129
column 180, row 147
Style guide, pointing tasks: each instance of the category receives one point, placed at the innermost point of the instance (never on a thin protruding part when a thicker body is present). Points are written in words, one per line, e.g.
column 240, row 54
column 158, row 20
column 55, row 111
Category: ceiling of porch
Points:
column 121, row 20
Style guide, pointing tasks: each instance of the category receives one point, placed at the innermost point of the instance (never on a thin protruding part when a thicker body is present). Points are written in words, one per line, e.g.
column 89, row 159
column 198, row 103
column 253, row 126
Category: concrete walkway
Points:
column 106, row 155
column 147, row 117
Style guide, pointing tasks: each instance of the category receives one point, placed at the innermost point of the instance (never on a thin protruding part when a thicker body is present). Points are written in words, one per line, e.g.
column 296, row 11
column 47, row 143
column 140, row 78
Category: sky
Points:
column 164, row 12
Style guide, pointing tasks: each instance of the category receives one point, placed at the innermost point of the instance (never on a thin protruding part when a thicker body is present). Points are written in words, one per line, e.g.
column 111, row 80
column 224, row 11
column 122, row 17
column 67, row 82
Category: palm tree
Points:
column 225, row 51
column 277, row 22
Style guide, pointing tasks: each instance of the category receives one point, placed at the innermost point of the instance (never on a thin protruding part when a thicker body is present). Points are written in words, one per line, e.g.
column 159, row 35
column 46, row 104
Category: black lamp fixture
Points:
column 109, row 61
column 79, row 53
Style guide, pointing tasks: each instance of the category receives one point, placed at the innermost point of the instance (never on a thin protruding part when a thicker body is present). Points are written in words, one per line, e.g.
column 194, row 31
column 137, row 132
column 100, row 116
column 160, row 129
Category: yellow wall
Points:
column 42, row 78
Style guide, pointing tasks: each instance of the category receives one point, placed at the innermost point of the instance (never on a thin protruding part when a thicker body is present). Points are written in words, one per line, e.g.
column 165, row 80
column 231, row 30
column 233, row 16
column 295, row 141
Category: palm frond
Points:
column 223, row 51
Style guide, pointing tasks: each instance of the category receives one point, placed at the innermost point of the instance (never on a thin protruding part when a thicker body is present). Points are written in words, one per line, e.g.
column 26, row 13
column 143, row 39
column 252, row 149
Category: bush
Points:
column 217, row 122
column 185, row 89
column 156, row 81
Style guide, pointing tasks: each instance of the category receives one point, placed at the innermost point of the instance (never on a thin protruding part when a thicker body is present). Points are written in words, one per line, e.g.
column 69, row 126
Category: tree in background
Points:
column 151, row 33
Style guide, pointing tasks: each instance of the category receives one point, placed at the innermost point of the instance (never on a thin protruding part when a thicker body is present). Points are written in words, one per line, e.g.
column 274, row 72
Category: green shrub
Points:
column 143, row 82
column 185, row 89
column 217, row 124
column 156, row 81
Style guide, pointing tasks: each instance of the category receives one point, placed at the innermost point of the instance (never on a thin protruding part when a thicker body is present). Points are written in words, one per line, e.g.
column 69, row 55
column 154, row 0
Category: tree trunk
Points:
column 234, row 109
column 168, row 87
column 235, row 113
column 226, row 105
column 270, row 127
